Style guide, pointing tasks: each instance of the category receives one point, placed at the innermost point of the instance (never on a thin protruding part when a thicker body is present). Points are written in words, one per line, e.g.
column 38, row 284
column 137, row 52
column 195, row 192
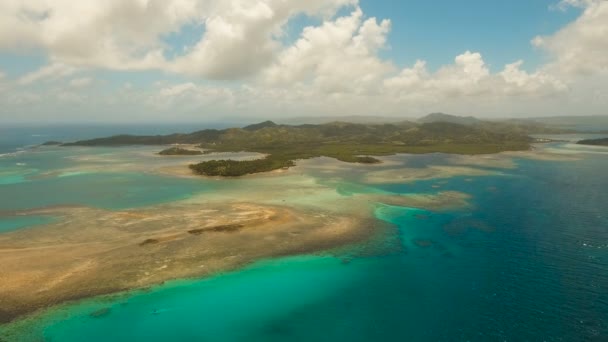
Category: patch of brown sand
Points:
column 408, row 175
column 543, row 155
column 495, row 161
column 93, row 252
column 447, row 200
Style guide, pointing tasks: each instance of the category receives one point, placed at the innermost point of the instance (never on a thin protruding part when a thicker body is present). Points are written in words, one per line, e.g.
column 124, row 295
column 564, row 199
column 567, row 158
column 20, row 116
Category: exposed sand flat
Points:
column 495, row 161
column 92, row 252
column 88, row 252
column 141, row 159
column 405, row 175
column 544, row 155
column 447, row 200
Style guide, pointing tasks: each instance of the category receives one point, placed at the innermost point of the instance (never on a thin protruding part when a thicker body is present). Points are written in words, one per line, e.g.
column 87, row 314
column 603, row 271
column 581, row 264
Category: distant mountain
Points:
column 258, row 126
column 344, row 141
column 505, row 126
column 441, row 117
column 358, row 119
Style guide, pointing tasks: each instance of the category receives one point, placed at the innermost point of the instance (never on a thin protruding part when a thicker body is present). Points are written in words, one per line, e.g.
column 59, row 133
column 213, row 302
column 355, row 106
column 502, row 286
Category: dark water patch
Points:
column 108, row 191
column 423, row 243
column 539, row 274
column 226, row 228
column 10, row 222
column 100, row 313
column 148, row 242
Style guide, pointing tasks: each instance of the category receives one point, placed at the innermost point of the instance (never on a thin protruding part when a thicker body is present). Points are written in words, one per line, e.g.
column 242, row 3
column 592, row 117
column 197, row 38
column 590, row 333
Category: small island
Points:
column 236, row 168
column 51, row 143
column 594, row 142
column 179, row 151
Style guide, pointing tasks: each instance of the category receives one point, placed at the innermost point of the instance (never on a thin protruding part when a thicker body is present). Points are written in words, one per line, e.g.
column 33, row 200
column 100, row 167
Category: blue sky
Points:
column 237, row 57
column 432, row 30
column 438, row 30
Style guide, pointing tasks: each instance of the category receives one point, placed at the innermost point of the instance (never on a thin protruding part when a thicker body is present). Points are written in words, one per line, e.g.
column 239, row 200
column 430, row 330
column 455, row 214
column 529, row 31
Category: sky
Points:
column 213, row 60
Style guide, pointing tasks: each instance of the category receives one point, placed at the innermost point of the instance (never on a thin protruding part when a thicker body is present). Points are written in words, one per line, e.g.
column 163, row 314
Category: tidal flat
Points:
column 130, row 236
column 88, row 250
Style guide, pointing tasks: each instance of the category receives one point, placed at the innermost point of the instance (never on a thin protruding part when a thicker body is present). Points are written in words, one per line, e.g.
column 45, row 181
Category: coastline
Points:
column 141, row 248
column 125, row 250
column 297, row 227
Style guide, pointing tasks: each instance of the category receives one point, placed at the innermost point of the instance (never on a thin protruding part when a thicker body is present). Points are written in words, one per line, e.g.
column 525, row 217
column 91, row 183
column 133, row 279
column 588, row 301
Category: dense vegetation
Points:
column 52, row 143
column 517, row 126
column 594, row 142
column 235, row 168
column 178, row 151
column 348, row 142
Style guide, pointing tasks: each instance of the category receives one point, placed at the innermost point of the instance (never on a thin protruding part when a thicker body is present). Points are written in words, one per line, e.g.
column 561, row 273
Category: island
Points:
column 594, row 142
column 179, row 151
column 51, row 143
column 283, row 145
column 236, row 168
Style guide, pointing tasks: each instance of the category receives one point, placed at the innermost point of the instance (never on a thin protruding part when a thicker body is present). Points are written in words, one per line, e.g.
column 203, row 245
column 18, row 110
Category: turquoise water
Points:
column 529, row 262
column 250, row 304
column 55, row 176
column 14, row 223
column 109, row 191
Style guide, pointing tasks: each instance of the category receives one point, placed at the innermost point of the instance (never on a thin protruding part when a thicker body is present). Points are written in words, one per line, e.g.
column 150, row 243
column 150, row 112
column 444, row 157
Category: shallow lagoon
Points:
column 529, row 261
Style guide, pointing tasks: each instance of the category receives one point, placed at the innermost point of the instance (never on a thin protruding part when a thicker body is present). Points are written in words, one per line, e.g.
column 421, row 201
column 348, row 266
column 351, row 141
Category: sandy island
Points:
column 92, row 252
column 88, row 252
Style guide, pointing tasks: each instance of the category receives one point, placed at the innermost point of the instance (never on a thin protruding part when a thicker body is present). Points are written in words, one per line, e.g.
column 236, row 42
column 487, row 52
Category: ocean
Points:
column 528, row 261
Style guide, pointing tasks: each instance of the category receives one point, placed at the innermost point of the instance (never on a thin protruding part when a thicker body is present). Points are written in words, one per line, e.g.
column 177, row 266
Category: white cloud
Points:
column 337, row 56
column 582, row 46
column 240, row 36
column 190, row 96
column 177, row 90
column 113, row 34
column 565, row 4
column 69, row 97
column 539, row 83
column 48, row 72
column 332, row 68
column 469, row 76
column 82, row 82
column 3, row 83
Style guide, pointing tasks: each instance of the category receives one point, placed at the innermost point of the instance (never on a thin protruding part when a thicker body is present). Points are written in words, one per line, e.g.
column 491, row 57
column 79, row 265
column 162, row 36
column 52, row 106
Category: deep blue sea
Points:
column 528, row 262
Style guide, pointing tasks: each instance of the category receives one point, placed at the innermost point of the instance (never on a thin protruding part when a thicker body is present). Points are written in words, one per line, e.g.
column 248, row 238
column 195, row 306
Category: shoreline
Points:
column 127, row 250
column 144, row 247
column 137, row 249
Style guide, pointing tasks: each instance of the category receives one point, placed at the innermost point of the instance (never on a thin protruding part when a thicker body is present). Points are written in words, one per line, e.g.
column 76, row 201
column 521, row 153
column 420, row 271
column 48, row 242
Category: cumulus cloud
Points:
column 332, row 68
column 3, row 83
column 580, row 47
column 337, row 56
column 189, row 96
column 240, row 36
column 111, row 34
column 539, row 83
column 81, row 82
column 48, row 72
column 565, row 4
column 469, row 76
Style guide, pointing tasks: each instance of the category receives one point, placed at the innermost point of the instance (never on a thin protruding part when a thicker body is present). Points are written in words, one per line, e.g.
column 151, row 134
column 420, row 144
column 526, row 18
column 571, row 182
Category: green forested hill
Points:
column 344, row 141
column 594, row 142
